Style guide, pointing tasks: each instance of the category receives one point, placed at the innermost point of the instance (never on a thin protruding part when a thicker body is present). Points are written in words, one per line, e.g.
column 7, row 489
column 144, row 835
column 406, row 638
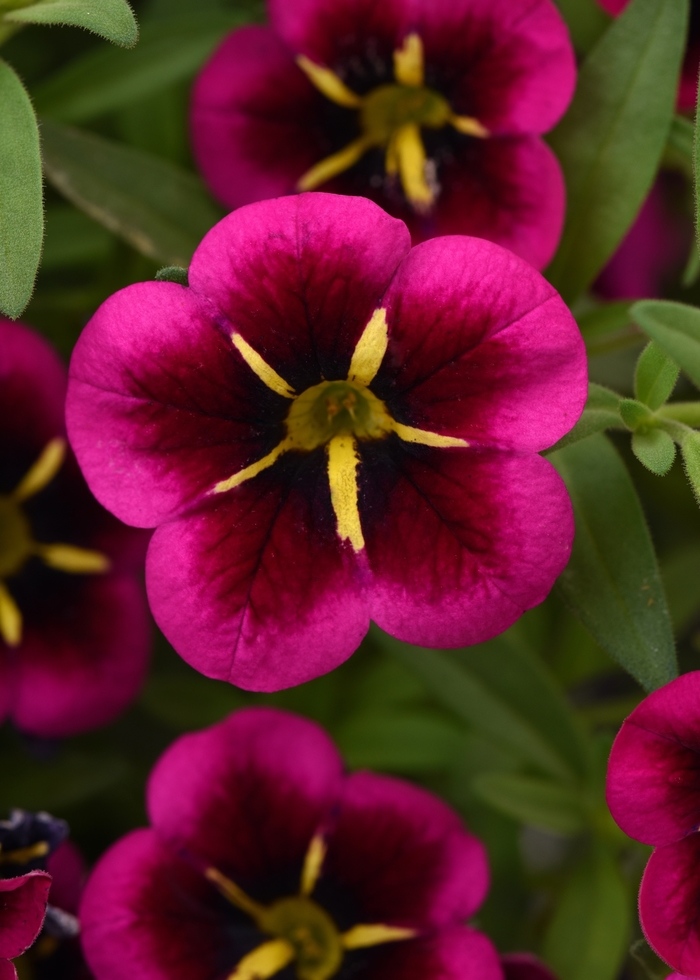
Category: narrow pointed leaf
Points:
column 612, row 581
column 535, row 802
column 676, row 329
column 160, row 209
column 611, row 140
column 112, row 19
column 21, row 207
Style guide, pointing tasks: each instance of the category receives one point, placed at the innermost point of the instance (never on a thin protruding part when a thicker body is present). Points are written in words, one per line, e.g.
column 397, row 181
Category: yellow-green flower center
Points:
column 335, row 408
column 311, row 933
column 389, row 108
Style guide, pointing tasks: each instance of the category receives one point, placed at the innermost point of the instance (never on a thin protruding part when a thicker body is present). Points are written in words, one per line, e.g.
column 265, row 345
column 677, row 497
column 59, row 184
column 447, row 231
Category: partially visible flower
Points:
column 653, row 792
column 22, row 909
column 264, row 855
column 433, row 110
column 328, row 426
column 74, row 633
column 524, row 966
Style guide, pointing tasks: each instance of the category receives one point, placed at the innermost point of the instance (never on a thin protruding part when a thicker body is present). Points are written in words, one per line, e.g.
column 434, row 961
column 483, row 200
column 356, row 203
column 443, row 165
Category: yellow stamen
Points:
column 362, row 936
column 24, row 854
column 342, row 476
column 408, row 61
column 424, row 438
column 10, row 619
column 250, row 471
column 370, row 349
column 333, row 165
column 328, row 83
column 42, row 472
column 469, row 126
column 264, row 961
column 313, row 862
column 236, row 896
column 67, row 558
column 260, row 367
column 409, row 149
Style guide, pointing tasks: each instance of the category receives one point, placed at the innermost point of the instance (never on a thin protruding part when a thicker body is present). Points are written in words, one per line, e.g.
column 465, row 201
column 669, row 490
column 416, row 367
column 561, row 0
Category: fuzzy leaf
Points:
column 676, row 329
column 602, row 412
column 655, row 376
column 690, row 450
column 612, row 581
column 654, row 449
column 111, row 19
column 21, row 207
column 535, row 802
column 611, row 140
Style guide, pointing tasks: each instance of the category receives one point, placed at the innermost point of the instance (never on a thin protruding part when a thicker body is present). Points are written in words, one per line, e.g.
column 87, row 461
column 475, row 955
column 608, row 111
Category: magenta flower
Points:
column 654, row 795
column 433, row 110
column 523, row 966
column 22, row 909
column 328, row 426
column 263, row 855
column 74, row 633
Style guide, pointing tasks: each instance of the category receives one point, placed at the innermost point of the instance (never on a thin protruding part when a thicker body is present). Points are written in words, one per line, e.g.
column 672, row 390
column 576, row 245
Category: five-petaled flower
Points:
column 265, row 859
column 22, row 908
column 74, row 631
column 653, row 793
column 328, row 426
column 432, row 109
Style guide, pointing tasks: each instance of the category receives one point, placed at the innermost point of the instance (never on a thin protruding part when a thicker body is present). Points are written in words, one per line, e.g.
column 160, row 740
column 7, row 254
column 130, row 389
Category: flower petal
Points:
column 67, row 868
column 653, row 783
column 258, row 589
column 247, row 795
column 460, row 542
column 147, row 915
column 22, row 907
column 300, row 278
column 255, row 119
column 452, row 954
column 83, row 656
column 161, row 406
column 523, row 966
column 404, row 855
column 668, row 904
column 481, row 347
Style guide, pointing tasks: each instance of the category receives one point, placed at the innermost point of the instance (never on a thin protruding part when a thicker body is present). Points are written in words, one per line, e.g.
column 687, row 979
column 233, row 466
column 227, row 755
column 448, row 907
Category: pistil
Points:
column 391, row 118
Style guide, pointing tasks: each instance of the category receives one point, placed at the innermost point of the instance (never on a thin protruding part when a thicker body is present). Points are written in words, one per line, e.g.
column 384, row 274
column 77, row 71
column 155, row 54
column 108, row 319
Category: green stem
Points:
column 686, row 412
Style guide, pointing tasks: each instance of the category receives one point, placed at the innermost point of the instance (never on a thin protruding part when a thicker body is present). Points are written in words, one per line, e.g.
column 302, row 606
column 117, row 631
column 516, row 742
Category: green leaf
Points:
column 21, row 207
column 589, row 933
column 602, row 412
column 676, row 328
column 160, row 209
column 654, row 449
column 414, row 741
column 535, row 802
column 112, row 19
column 105, row 78
column 634, row 414
column 612, row 581
column 690, row 451
column 586, row 21
column 655, row 376
column 681, row 135
column 483, row 708
column 611, row 140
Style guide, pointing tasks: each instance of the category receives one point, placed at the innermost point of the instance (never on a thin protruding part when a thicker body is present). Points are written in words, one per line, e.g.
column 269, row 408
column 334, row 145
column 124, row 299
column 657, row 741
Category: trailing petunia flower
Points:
column 22, row 908
column 653, row 792
column 74, row 632
column 265, row 859
column 433, row 110
column 328, row 426
column 524, row 966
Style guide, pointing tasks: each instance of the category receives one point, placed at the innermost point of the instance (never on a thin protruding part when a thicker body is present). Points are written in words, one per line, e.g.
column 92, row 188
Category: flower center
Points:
column 335, row 408
column 390, row 107
column 16, row 544
column 310, row 931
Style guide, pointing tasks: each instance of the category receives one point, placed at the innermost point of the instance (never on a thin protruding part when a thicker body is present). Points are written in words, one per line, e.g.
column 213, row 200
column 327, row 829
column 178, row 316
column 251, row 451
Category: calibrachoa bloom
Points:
column 328, row 426
column 654, row 795
column 74, row 633
column 264, row 859
column 432, row 109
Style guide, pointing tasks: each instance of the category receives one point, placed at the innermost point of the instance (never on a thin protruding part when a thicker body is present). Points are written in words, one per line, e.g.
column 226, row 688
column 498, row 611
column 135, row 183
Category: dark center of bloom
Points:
column 17, row 544
column 390, row 117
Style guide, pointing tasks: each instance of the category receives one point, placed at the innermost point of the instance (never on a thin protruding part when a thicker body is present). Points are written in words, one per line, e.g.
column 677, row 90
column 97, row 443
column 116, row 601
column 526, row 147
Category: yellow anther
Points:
column 68, row 558
column 236, row 896
column 24, row 854
column 328, row 83
column 10, row 619
column 370, row 349
column 469, row 126
column 362, row 936
column 264, row 961
column 42, row 472
column 261, row 368
column 408, row 61
column 313, row 862
column 333, row 165
column 410, row 153
column 343, row 461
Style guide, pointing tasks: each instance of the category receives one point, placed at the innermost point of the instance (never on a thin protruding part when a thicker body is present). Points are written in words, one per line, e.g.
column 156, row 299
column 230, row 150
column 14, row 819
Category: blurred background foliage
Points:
column 514, row 733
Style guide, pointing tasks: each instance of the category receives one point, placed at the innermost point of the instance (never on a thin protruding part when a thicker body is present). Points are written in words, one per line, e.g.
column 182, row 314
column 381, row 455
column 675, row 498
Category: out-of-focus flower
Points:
column 263, row 855
column 653, row 792
column 328, row 426
column 433, row 110
column 74, row 633
column 524, row 966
